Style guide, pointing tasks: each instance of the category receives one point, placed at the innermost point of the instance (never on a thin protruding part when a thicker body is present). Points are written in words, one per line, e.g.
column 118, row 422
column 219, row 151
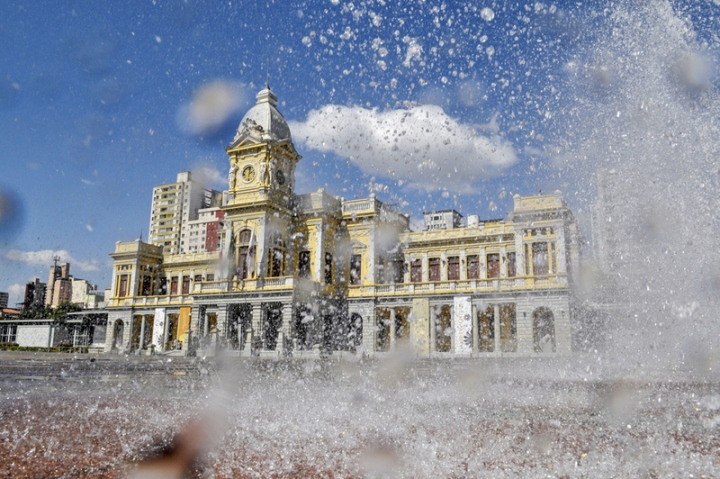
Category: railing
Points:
column 467, row 285
column 280, row 282
column 362, row 206
column 290, row 282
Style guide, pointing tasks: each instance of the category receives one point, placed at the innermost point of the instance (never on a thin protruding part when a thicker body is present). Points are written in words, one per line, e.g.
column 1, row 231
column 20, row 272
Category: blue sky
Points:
column 101, row 101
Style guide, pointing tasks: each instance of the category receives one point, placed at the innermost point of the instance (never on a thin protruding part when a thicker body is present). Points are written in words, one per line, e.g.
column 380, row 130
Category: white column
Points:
column 561, row 266
column 425, row 268
column 519, row 254
column 483, row 263
column 133, row 281
column 319, row 260
column 503, row 262
column 443, row 266
column 371, row 273
column 261, row 243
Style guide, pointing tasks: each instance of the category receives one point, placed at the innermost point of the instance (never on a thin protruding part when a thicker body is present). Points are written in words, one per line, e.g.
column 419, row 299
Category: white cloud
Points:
column 45, row 258
column 17, row 294
column 212, row 106
column 421, row 144
column 210, row 177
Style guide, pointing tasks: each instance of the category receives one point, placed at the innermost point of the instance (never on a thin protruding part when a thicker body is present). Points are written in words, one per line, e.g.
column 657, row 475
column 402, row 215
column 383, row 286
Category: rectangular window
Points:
column 276, row 262
column 434, row 269
column 123, row 286
column 328, row 268
column 511, row 272
column 355, row 269
column 493, row 266
column 453, row 268
column 211, row 277
column 304, row 264
column 163, row 286
column 398, row 271
column 174, row 285
column 540, row 258
column 198, row 278
column 416, row 271
column 186, row 285
column 145, row 287
column 242, row 263
column 380, row 276
column 473, row 267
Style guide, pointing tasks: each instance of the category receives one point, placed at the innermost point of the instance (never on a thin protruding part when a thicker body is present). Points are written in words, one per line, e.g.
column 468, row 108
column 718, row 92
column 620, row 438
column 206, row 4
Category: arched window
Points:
column 544, row 330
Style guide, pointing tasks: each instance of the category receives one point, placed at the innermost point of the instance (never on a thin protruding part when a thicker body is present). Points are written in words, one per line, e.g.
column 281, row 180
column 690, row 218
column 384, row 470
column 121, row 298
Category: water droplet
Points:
column 487, row 14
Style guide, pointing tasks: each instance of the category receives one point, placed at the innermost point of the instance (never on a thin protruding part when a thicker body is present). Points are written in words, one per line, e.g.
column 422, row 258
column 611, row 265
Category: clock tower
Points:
column 258, row 200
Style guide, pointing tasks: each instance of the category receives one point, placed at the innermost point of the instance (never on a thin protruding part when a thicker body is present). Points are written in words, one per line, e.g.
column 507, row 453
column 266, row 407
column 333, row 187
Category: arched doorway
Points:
column 304, row 324
column 544, row 330
column 355, row 336
column 240, row 317
column 118, row 331
column 443, row 328
column 272, row 324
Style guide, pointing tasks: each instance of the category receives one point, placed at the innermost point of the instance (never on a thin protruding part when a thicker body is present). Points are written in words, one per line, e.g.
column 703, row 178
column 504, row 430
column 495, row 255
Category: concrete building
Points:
column 442, row 220
column 174, row 206
column 205, row 233
column 4, row 298
column 314, row 274
column 59, row 285
column 35, row 291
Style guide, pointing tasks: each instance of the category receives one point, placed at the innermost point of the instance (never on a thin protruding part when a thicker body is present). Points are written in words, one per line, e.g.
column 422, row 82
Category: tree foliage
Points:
column 58, row 313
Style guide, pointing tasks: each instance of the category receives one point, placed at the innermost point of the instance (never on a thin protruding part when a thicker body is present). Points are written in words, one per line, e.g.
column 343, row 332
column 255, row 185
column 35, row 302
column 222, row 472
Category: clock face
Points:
column 248, row 173
column 280, row 177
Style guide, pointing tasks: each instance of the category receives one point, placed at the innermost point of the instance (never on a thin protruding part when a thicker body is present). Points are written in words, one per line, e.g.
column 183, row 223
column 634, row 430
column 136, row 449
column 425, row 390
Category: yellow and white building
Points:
column 313, row 274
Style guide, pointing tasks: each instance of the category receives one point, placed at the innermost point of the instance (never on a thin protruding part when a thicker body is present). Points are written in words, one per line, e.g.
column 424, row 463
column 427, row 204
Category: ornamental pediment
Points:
column 355, row 244
column 243, row 141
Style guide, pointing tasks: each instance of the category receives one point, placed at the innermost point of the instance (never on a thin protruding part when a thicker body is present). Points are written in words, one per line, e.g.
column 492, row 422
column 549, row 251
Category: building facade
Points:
column 59, row 285
column 174, row 208
column 316, row 274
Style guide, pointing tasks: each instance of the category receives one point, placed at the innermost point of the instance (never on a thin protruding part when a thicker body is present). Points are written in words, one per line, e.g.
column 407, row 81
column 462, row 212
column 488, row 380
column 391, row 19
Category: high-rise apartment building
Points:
column 204, row 234
column 59, row 285
column 174, row 206
column 4, row 298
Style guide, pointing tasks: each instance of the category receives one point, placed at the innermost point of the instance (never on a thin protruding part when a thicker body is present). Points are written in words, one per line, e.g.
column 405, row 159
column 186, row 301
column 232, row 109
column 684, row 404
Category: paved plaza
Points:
column 95, row 416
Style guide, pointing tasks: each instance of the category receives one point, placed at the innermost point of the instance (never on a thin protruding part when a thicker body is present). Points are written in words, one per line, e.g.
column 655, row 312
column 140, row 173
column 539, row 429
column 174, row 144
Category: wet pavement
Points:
column 93, row 416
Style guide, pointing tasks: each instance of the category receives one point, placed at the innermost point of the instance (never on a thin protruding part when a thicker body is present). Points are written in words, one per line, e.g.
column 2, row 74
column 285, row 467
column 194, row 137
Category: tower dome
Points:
column 264, row 119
